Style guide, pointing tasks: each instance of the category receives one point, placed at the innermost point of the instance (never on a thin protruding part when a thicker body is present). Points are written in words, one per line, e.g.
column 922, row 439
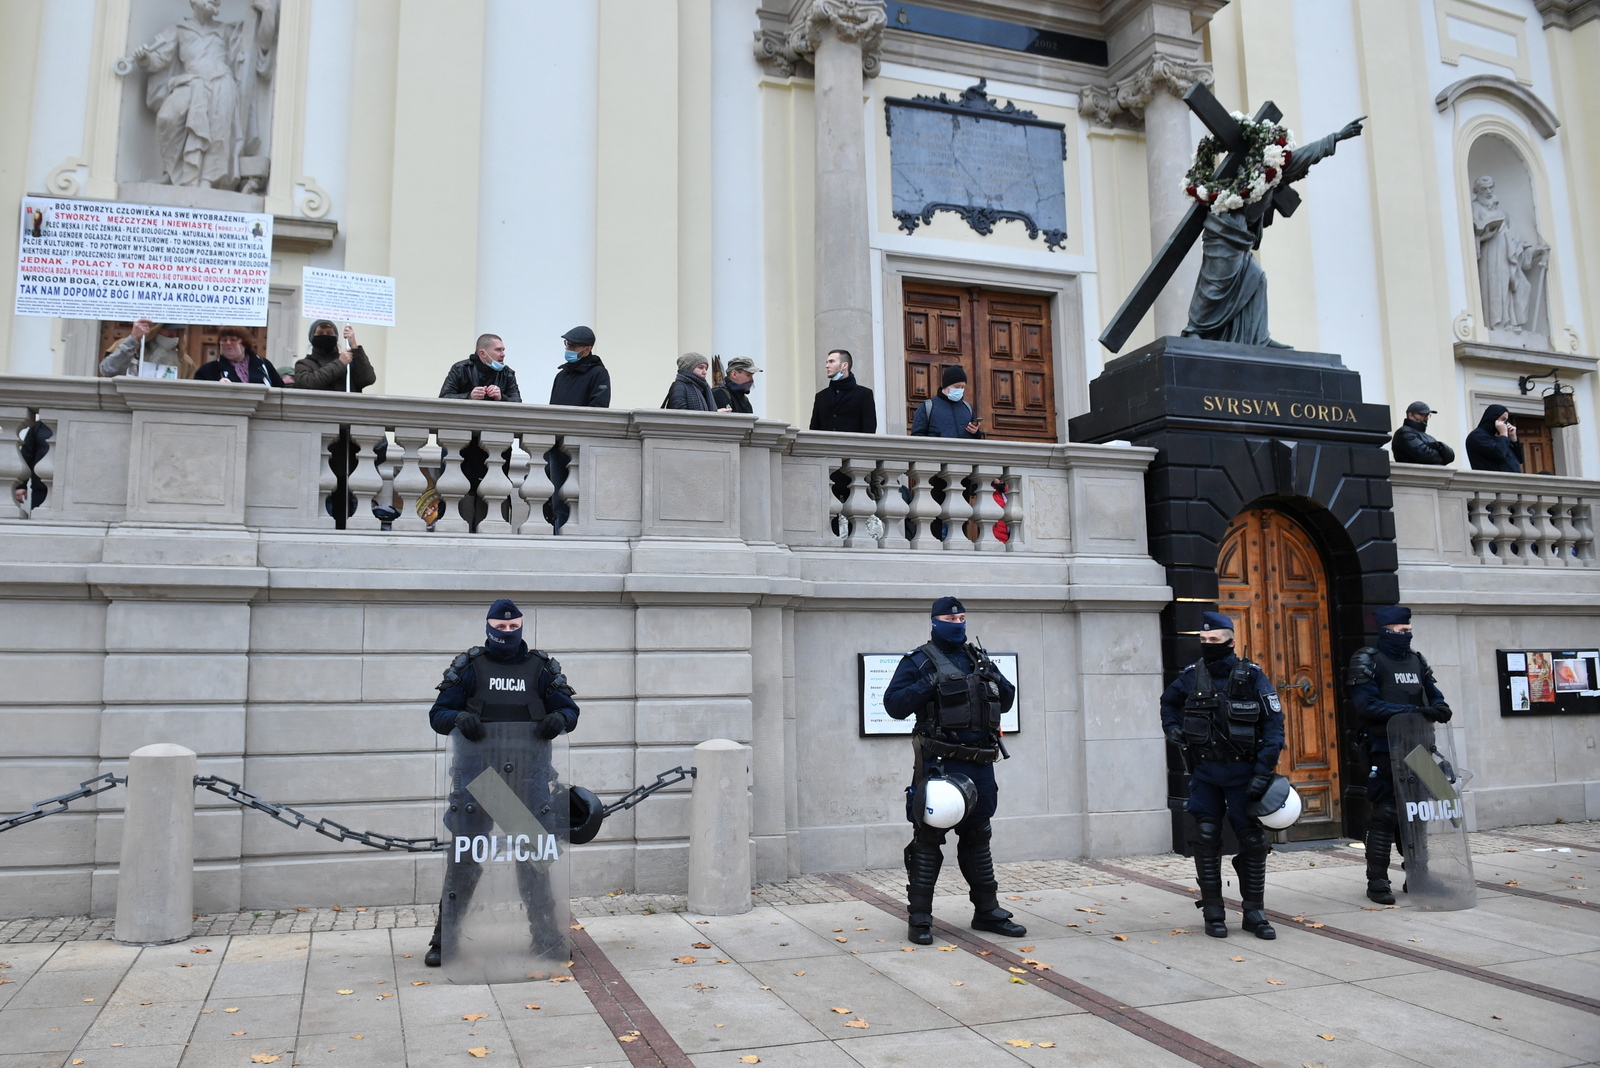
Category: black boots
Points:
column 977, row 868
column 922, row 872
column 1380, row 840
column 1208, row 874
column 431, row 958
column 1252, row 871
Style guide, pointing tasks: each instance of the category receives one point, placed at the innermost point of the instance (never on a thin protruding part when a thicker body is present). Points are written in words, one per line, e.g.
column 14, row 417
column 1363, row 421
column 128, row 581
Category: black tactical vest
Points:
column 961, row 701
column 1400, row 681
column 1223, row 724
column 507, row 693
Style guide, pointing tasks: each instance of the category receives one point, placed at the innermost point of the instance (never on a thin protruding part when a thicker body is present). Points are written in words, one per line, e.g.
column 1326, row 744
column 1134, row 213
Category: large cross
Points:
column 1161, row 270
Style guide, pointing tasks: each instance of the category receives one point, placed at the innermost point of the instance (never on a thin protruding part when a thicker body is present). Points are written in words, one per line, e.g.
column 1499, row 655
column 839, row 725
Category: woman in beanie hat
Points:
column 691, row 391
column 327, row 368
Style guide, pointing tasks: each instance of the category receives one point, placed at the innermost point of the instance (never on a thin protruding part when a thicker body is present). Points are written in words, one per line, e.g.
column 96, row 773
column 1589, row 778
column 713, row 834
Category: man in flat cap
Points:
column 957, row 695
column 1224, row 715
column 1385, row 681
column 492, row 694
column 581, row 381
column 1412, row 444
column 734, row 393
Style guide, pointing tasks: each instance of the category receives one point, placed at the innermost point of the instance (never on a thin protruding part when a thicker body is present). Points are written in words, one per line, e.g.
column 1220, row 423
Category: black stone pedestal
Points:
column 1246, row 426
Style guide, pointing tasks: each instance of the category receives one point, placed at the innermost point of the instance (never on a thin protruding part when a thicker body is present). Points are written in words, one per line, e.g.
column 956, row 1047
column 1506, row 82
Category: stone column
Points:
column 155, row 881
column 841, row 39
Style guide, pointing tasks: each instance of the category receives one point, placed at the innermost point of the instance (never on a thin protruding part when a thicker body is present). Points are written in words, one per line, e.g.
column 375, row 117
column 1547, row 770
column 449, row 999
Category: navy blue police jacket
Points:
column 1266, row 761
column 1376, row 712
column 452, row 700
column 911, row 688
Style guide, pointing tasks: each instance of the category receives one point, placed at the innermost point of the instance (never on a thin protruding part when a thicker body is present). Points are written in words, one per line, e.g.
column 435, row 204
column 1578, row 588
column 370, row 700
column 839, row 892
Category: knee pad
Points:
column 1207, row 839
column 1384, row 815
column 929, row 838
column 1252, row 839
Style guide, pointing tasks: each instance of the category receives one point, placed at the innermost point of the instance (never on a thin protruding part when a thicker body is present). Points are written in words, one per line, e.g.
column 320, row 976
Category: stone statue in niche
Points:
column 209, row 84
column 1511, row 271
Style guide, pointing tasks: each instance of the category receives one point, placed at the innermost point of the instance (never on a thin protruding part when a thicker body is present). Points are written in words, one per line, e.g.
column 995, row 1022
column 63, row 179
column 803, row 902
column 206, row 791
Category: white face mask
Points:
column 164, row 342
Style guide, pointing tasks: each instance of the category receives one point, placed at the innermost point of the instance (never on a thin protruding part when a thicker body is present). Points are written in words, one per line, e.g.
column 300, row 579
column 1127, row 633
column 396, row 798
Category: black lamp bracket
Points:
column 1525, row 383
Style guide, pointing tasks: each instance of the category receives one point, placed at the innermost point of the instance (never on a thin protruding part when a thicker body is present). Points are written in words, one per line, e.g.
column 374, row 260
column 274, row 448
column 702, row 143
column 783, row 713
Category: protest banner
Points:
column 344, row 296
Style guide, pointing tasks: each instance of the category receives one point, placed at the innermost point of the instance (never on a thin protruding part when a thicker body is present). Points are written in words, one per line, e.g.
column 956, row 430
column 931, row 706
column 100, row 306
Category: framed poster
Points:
column 876, row 669
column 1547, row 682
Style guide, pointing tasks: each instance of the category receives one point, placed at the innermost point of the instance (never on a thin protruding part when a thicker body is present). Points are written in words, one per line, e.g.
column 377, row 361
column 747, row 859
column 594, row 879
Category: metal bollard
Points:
column 155, row 884
column 719, row 830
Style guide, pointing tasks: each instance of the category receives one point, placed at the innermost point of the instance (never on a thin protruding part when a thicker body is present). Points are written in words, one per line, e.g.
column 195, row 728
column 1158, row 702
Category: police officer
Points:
column 1385, row 681
column 957, row 695
column 501, row 681
column 1225, row 717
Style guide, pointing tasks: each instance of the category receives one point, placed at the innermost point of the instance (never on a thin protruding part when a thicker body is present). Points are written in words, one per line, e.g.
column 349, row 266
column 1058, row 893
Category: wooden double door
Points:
column 1001, row 339
column 1272, row 583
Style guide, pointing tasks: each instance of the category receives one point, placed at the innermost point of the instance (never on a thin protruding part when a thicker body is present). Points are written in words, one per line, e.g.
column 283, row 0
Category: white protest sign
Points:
column 84, row 259
column 345, row 296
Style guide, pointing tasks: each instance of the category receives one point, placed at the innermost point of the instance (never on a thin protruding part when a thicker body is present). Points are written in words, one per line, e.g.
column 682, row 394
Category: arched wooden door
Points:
column 1270, row 579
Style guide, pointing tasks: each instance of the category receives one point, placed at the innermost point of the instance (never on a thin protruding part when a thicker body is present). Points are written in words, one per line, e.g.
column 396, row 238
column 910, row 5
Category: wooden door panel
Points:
column 936, row 336
column 1271, row 580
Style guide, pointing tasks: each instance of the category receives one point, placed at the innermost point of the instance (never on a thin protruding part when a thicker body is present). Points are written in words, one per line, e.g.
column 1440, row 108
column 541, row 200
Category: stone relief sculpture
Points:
column 1511, row 271
column 209, row 84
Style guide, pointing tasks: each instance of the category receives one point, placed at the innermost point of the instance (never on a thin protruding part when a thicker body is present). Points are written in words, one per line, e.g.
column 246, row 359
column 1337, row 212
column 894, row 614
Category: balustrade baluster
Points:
column 12, row 468
column 328, row 478
column 44, row 469
column 364, row 480
column 1566, row 533
column 570, row 492
column 924, row 509
column 956, row 511
column 858, row 505
column 892, row 506
column 1013, row 512
column 986, row 509
column 836, row 524
column 1527, row 532
column 1505, row 527
column 1480, row 529
column 410, row 484
column 1548, row 534
column 452, row 484
column 517, row 472
column 495, row 488
column 1583, row 520
column 536, row 488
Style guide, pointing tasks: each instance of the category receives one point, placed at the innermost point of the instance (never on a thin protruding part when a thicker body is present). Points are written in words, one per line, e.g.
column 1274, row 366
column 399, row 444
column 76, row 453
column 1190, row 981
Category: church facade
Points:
column 926, row 185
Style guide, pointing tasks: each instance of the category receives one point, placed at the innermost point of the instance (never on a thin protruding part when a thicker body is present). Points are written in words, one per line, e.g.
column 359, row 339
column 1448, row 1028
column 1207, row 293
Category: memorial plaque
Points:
column 984, row 162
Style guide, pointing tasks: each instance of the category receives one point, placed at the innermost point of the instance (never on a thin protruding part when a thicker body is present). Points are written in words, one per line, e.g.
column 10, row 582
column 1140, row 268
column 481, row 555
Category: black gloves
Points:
column 552, row 724
column 1175, row 736
column 1439, row 712
column 1258, row 787
column 470, row 726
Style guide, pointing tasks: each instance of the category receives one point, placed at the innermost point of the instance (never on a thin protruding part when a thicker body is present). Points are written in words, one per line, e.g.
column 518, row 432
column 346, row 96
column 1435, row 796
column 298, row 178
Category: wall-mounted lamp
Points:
column 1560, row 407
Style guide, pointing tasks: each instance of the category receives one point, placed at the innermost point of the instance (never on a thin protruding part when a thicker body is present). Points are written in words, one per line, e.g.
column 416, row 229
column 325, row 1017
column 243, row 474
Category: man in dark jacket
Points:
column 1412, row 444
column 238, row 361
column 483, row 375
column 582, row 381
column 1493, row 444
column 734, row 393
column 327, row 368
column 844, row 405
column 946, row 414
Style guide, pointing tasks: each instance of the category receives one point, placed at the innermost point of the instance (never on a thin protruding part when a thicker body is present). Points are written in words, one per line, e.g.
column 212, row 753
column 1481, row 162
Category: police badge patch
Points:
column 1272, row 702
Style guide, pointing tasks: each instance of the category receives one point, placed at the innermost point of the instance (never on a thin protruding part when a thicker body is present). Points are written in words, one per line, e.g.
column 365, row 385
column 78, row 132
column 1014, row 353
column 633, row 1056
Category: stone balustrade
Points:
column 1493, row 518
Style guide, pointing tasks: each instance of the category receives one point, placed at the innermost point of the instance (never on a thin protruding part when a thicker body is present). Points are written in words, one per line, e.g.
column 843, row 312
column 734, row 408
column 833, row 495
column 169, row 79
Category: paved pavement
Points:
column 1114, row 971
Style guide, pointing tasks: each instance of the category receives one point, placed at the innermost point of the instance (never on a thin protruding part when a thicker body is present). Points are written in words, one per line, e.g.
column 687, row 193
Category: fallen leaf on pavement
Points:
column 684, row 960
column 749, row 1058
column 479, row 1051
column 1026, row 949
column 347, row 991
column 1237, row 960
column 1047, row 1045
column 1326, row 1038
column 841, row 1012
column 1275, row 982
column 841, row 938
column 626, row 1038
column 420, row 982
column 236, row 1034
column 530, row 1006
column 263, row 1058
column 947, row 949
column 1020, row 1043
column 903, row 949
column 861, row 928
column 562, row 979
column 201, row 949
column 302, row 910
column 1316, row 926
column 858, row 1023
column 380, row 997
column 1513, row 882
column 1018, row 979
column 724, row 960
column 471, row 1016
column 577, row 927
column 1097, row 912
column 799, row 973
column 358, row 1036
column 1298, row 919
column 1413, row 940
column 957, row 982
column 233, row 1009
column 1019, row 971
column 838, row 928
column 1120, row 938
column 337, row 908
column 701, row 945
column 763, row 988
column 1013, row 897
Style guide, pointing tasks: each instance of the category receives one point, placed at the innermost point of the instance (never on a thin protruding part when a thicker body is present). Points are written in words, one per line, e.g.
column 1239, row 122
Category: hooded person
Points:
column 328, row 368
column 581, row 381
column 691, row 389
column 1492, row 445
column 501, row 681
column 1222, row 713
column 956, row 695
column 1387, row 679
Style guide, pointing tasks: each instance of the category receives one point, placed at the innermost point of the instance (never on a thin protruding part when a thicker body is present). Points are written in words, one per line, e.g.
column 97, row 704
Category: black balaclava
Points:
column 1392, row 643
column 944, row 631
column 502, row 644
column 1215, row 652
column 324, row 345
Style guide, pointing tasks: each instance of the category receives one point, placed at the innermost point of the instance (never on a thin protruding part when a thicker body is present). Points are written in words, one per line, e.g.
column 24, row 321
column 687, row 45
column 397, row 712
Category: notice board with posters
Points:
column 878, row 668
column 1547, row 682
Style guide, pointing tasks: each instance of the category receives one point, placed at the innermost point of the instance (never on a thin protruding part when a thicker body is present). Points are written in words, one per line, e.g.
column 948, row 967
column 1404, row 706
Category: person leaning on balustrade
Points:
column 1412, row 444
column 328, row 368
column 483, row 375
column 691, row 390
column 237, row 361
column 1493, row 444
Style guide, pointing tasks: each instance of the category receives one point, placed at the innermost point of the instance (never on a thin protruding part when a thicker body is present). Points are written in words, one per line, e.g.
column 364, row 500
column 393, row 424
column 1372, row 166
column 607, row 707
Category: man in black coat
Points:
column 582, row 380
column 844, row 405
column 483, row 375
column 1412, row 444
column 734, row 393
column 1492, row 445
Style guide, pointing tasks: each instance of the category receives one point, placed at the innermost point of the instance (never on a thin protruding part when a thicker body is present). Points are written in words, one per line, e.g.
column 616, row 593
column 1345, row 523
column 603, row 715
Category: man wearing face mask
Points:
column 327, row 368
column 1224, row 716
column 947, row 414
column 1386, row 680
column 1412, row 443
column 957, row 695
column 160, row 352
column 483, row 375
column 501, row 681
column 581, row 381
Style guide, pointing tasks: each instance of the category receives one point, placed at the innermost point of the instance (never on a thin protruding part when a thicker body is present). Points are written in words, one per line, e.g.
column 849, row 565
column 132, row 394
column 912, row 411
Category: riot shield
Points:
column 1433, row 831
column 504, row 914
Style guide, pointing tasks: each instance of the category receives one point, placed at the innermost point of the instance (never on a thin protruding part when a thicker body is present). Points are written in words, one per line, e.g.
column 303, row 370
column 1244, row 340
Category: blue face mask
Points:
column 570, row 356
column 839, row 377
column 495, row 365
column 1392, row 643
column 956, row 394
column 502, row 641
column 950, row 633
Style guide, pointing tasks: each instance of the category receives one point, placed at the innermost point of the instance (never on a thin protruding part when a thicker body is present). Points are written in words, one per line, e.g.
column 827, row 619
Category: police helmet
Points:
column 945, row 799
column 1279, row 807
column 587, row 814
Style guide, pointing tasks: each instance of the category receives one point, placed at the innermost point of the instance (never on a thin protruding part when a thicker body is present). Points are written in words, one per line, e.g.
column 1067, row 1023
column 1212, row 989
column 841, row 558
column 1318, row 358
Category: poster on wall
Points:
column 877, row 669
column 1544, row 682
column 84, row 259
column 346, row 297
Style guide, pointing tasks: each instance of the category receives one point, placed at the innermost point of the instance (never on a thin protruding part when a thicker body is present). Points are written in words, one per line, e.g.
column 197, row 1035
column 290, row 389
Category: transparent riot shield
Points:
column 1433, row 831
column 504, row 913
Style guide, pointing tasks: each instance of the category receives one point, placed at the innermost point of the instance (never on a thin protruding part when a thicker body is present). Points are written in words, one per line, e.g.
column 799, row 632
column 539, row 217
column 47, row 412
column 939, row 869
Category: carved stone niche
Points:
column 1513, row 260
column 195, row 128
